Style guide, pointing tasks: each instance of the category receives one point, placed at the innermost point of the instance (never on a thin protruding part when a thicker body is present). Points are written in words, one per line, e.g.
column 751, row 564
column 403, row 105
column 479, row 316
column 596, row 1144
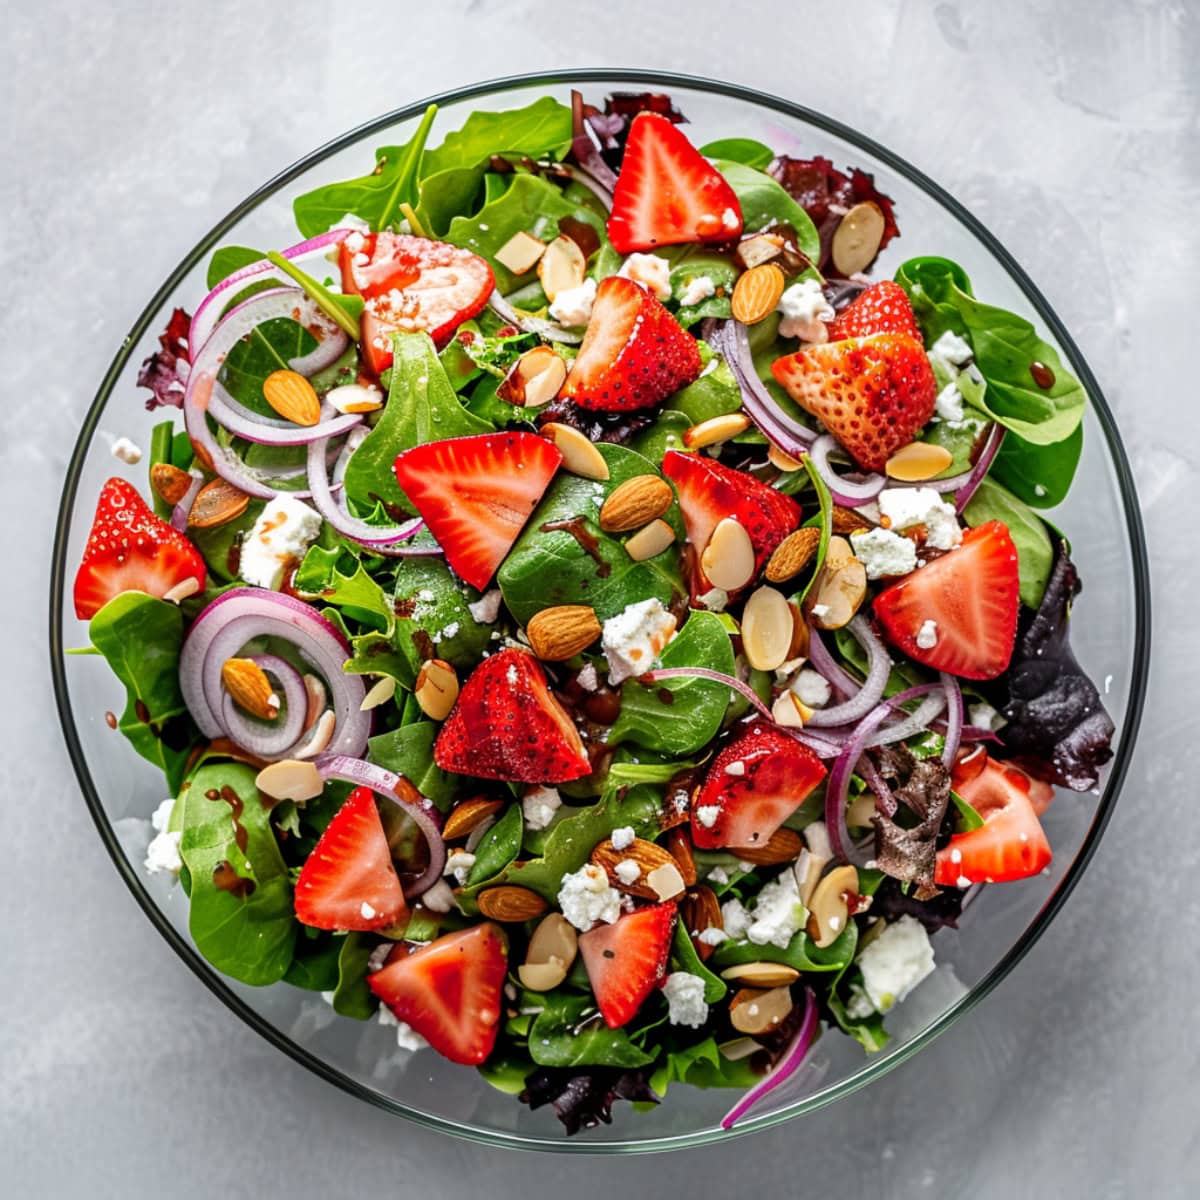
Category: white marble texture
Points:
column 1069, row 128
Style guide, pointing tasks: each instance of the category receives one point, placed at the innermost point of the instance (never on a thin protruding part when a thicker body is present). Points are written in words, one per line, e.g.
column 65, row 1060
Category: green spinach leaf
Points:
column 409, row 752
column 315, row 964
column 1039, row 475
column 498, row 848
column 569, row 1032
column 685, row 958
column 429, row 599
column 867, row 1031
column 703, row 1065
column 537, row 130
column 228, row 259
column 267, row 348
column 742, row 150
column 801, row 952
column 351, row 996
column 1035, row 554
column 764, row 201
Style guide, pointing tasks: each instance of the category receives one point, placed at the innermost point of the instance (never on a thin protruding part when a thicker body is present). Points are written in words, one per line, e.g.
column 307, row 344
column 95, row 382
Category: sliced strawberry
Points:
column 450, row 991
column 1011, row 843
column 972, row 595
column 476, row 493
column 348, row 881
column 881, row 308
column 506, row 725
column 411, row 283
column 709, row 492
column 873, row 394
column 634, row 353
column 131, row 550
column 668, row 193
column 753, row 785
column 627, row 960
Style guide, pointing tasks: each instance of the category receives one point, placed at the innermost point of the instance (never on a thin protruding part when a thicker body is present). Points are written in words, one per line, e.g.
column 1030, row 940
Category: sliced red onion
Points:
column 182, row 510
column 392, row 787
column 276, row 739
column 585, row 148
column 849, row 493
column 793, row 1057
column 268, row 432
column 838, row 784
column 879, row 666
column 528, row 324
column 587, row 179
column 835, row 674
column 954, row 719
column 918, row 721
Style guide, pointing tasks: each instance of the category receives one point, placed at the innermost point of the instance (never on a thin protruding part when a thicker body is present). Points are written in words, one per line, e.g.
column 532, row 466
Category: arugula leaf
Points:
column 569, row 1032
column 704, row 1066
column 698, row 707
column 742, row 150
column 351, row 996
column 537, row 130
column 409, row 752
column 248, row 936
column 1035, row 554
column 685, row 958
column 764, row 201
column 498, row 847
column 141, row 637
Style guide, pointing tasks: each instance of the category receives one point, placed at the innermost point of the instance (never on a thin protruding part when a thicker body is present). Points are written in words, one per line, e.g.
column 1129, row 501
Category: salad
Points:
column 587, row 618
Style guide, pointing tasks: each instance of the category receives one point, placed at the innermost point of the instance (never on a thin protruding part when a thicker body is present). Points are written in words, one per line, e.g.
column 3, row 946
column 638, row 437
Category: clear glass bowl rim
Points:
column 1133, row 526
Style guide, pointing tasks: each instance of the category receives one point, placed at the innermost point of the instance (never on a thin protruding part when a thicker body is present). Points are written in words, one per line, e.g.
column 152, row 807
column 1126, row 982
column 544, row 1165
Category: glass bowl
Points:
column 1110, row 636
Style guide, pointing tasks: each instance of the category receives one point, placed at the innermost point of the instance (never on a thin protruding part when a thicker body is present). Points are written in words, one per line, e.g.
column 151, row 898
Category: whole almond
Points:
column 580, row 456
column 783, row 846
column 846, row 520
column 562, row 632
column 292, row 397
column 793, row 554
column 757, row 292
column 635, row 503
column 436, row 688
column 649, row 857
column 250, row 688
column 511, row 904
column 170, row 483
column 700, row 910
column 217, row 503
column 467, row 815
column 679, row 846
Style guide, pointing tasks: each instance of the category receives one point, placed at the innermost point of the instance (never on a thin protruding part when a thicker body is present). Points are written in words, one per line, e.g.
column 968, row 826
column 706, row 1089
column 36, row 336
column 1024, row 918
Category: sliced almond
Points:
column 290, row 779
column 846, row 520
column 841, row 587
column 755, row 1011
column 436, row 688
column 715, row 430
column 551, row 952
column 559, row 633
column 807, row 868
column 651, row 859
column 829, row 910
column 790, row 711
column 700, row 910
column 250, row 688
column 666, row 882
column 650, row 540
column 861, row 811
column 766, row 629
column 728, row 559
column 170, row 483
column 757, row 292
column 635, row 503
column 511, row 904
column 800, row 635
column 535, row 378
column 762, row 974
column 580, row 457
column 757, row 249
column 520, row 253
column 793, row 554
column 380, row 693
column 542, row 976
column 468, row 815
column 857, row 237
column 182, row 590
column 292, row 397
column 918, row 461
column 739, row 1048
column 784, row 462
column 217, row 503
column 562, row 267
column 783, row 846
column 679, row 846
column 320, row 736
column 355, row 398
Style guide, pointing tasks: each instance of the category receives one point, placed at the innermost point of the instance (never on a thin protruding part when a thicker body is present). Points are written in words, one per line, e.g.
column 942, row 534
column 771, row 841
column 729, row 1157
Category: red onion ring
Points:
column 850, row 493
column 182, row 510
column 793, row 1057
column 391, row 787
column 954, row 719
column 586, row 178
column 823, row 661
column 879, row 666
column 585, row 148
column 964, row 485
column 528, row 324
column 278, row 738
column 838, row 785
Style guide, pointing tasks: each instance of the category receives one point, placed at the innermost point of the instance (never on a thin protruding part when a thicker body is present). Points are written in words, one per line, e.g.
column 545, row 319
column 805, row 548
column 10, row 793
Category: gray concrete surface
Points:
column 1071, row 130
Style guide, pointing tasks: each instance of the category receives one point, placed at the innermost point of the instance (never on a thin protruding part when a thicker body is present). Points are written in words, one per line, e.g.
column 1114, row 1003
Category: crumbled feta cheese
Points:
column 951, row 351
column 487, row 608
column 984, row 716
column 162, row 855
column 444, row 635
column 652, row 271
column 161, row 817
column 906, row 507
column 355, row 397
column 439, row 898
column 407, row 1038
column 735, row 768
column 283, row 532
column 778, row 913
column 719, row 876
column 895, row 962
column 884, row 553
column 697, row 290
column 623, row 837
column 627, row 871
column 539, row 807
column 805, row 312
column 707, row 814
column 127, row 451
column 367, row 911
column 714, row 935
column 685, row 999
column 585, row 897
column 633, row 639
column 459, row 864
column 735, row 918
column 573, row 307
column 812, row 688
column 715, row 599
column 927, row 635
column 949, row 404
column 588, row 679
column 962, row 881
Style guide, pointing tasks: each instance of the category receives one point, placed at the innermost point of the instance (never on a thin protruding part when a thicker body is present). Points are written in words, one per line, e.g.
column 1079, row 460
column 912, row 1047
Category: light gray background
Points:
column 1069, row 128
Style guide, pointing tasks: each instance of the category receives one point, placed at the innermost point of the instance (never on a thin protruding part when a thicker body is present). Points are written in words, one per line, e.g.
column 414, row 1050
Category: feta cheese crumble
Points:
column 162, row 855
column 697, row 290
column 906, row 507
column 586, row 897
column 927, row 635
column 459, row 864
column 715, row 600
column 623, row 837
column 539, row 807
column 407, row 1038
column 707, row 814
column 714, row 935
column 949, row 404
column 439, row 898
column 685, row 999
column 285, row 529
column 127, row 451
column 487, row 608
column 573, row 307
column 735, row 918
column 627, row 871
column 812, row 688
column 778, row 913
column 805, row 311
column 895, row 962
column 884, row 553
column 951, row 351
column 634, row 638
column 650, row 270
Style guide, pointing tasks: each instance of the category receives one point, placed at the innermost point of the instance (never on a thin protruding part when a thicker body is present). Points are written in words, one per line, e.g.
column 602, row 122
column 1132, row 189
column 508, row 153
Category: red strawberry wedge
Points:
column 873, row 394
column 634, row 353
column 348, row 881
column 627, row 960
column 752, row 787
column 506, row 725
column 709, row 492
column 476, row 493
column 449, row 991
column 131, row 550
column 881, row 308
column 971, row 594
column 668, row 193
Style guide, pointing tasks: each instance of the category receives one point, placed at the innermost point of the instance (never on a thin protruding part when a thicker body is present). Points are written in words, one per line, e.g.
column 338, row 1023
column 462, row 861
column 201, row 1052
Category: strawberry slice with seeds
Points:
column 882, row 308
column 506, row 725
column 348, row 881
column 971, row 594
column 668, row 193
column 634, row 353
column 476, row 493
column 752, row 787
column 709, row 492
column 873, row 394
column 449, row 991
column 627, row 960
column 130, row 549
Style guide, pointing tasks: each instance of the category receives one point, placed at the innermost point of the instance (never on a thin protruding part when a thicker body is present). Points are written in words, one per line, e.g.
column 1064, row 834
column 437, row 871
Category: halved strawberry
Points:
column 668, row 193
column 634, row 353
column 873, row 394
column 348, row 881
column 131, row 550
column 476, row 493
column 752, row 787
column 709, row 492
column 450, row 991
column 506, row 725
column 971, row 594
column 411, row 283
column 1011, row 844
column 627, row 960
column 881, row 308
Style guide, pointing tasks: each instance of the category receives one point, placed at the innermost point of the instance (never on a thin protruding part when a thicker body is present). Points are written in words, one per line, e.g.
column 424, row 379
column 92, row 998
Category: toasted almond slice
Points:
column 290, row 779
column 635, row 503
column 520, row 253
column 250, row 688
column 555, row 937
column 762, row 974
column 563, row 631
column 380, row 693
column 841, row 587
column 355, row 398
column 542, row 976
column 182, row 590
column 170, row 483
column 511, row 904
column 666, row 882
column 766, row 629
column 790, row 711
column 320, row 736
column 468, row 816
column 534, row 379
column 757, row 292
column 292, row 397
column 728, row 559
column 436, row 689
column 755, row 1011
column 715, row 430
column 918, row 461
column 857, row 237
column 829, row 910
column 785, row 462
column 679, row 846
column 562, row 267
column 793, row 554
column 217, row 503
column 580, row 457
column 650, row 540
column 758, row 248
